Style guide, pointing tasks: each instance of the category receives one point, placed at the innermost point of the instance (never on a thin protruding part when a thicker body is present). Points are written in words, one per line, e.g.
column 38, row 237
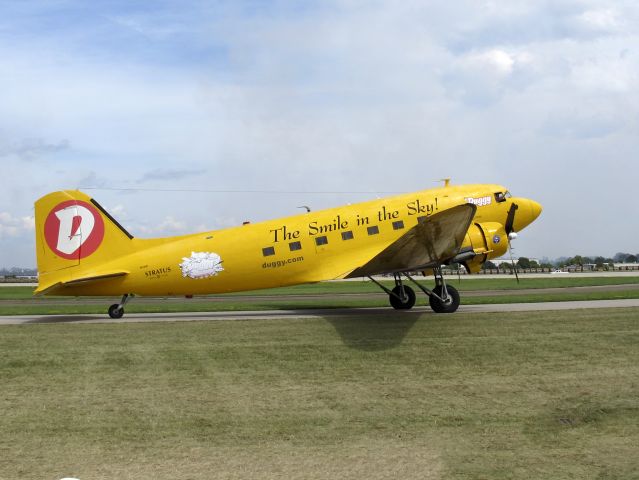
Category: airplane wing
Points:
column 431, row 242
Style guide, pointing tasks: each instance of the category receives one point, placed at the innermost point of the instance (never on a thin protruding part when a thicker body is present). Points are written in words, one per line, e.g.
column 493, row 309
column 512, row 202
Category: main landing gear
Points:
column 443, row 298
column 117, row 309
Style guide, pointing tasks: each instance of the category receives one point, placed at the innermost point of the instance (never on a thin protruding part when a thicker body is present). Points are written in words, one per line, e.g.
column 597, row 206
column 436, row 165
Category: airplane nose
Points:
column 535, row 210
column 527, row 212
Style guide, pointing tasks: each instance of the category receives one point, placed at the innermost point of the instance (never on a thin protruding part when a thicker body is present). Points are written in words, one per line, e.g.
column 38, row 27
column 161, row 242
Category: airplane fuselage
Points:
column 305, row 248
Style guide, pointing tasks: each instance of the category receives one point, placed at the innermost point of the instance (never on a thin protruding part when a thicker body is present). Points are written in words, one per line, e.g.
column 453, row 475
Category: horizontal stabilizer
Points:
column 48, row 289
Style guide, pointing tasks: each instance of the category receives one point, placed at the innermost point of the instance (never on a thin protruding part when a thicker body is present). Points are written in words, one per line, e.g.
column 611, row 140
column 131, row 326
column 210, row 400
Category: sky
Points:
column 209, row 113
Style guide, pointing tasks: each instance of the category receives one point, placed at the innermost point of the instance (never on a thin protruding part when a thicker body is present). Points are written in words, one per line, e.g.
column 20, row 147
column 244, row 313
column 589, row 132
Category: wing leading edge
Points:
column 434, row 241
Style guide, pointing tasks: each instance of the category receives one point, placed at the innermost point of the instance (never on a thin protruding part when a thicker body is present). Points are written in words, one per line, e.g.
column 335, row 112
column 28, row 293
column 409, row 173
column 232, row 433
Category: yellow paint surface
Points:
column 305, row 248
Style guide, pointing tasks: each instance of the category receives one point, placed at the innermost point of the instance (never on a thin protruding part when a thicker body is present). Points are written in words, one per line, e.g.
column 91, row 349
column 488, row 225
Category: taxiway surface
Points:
column 315, row 313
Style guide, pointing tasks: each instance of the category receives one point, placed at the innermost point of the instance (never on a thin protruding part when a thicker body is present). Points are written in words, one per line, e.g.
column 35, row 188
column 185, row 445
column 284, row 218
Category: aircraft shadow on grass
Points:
column 63, row 318
column 360, row 329
column 368, row 332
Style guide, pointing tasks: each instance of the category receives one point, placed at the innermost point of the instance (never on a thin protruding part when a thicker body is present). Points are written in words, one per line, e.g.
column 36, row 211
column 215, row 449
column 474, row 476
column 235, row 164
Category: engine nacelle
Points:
column 484, row 241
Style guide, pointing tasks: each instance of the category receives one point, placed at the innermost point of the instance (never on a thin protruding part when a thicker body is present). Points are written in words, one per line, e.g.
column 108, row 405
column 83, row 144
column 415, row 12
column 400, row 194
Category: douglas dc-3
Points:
column 82, row 250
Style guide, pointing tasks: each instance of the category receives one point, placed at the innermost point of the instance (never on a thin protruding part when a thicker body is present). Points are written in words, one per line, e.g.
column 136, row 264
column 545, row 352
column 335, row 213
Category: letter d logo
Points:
column 74, row 229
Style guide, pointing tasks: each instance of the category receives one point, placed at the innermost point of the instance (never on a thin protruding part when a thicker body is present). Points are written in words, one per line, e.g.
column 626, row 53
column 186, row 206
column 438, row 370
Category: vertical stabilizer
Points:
column 75, row 235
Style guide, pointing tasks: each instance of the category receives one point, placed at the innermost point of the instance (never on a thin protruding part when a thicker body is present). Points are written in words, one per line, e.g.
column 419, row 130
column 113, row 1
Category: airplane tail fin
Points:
column 76, row 239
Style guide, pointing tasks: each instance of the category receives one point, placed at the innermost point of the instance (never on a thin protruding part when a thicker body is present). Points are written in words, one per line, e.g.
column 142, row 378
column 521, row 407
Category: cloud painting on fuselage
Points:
column 82, row 250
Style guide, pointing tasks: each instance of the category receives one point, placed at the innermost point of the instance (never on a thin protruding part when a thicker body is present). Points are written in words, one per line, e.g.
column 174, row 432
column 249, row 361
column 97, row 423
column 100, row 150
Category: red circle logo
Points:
column 74, row 229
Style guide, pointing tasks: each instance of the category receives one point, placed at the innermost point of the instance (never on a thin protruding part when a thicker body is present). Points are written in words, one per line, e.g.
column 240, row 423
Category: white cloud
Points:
column 167, row 226
column 170, row 224
column 497, row 61
column 12, row 226
column 118, row 211
column 342, row 96
column 605, row 74
column 31, row 148
column 604, row 19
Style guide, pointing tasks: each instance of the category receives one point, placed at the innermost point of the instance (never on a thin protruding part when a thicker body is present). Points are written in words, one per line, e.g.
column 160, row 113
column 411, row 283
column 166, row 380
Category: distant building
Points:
column 625, row 266
column 500, row 261
column 586, row 267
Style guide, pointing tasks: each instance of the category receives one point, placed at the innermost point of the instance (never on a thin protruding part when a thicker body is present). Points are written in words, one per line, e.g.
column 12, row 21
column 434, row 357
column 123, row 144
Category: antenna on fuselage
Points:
column 308, row 209
column 446, row 181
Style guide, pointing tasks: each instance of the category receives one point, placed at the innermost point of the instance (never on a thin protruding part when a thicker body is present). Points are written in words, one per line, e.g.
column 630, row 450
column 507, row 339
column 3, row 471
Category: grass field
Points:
column 20, row 301
column 490, row 396
column 366, row 286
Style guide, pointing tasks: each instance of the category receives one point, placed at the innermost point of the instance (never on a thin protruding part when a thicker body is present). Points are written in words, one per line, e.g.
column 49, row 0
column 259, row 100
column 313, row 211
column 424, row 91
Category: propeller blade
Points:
column 510, row 219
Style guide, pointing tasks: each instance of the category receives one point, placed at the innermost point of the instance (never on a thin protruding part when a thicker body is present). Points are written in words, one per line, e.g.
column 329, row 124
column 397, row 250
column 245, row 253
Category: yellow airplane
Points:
column 82, row 250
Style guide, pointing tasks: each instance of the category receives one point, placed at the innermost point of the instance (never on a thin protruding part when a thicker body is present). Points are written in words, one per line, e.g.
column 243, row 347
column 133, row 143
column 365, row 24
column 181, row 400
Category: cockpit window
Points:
column 501, row 196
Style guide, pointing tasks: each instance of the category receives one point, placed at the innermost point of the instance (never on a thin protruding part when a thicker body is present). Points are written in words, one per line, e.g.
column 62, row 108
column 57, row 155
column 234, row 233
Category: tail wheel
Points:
column 402, row 302
column 451, row 303
column 115, row 311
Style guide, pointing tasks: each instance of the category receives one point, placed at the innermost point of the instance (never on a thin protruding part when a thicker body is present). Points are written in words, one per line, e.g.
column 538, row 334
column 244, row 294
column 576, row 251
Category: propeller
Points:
column 508, row 226
column 510, row 219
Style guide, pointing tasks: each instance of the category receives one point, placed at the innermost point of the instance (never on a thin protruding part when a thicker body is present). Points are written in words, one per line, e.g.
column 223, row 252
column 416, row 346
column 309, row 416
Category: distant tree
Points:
column 620, row 257
column 546, row 265
column 18, row 271
column 534, row 264
column 523, row 262
column 577, row 260
column 599, row 262
column 631, row 259
column 488, row 265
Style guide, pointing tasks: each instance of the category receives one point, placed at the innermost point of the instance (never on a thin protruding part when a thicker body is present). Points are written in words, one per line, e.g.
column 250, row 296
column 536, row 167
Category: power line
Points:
column 200, row 190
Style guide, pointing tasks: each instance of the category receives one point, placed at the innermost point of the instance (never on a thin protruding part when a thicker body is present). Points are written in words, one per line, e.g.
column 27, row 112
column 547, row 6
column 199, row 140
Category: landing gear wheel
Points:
column 451, row 303
column 405, row 303
column 115, row 311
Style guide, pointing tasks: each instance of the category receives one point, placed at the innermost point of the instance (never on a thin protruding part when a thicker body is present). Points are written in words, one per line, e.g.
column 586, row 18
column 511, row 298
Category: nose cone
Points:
column 527, row 213
column 535, row 210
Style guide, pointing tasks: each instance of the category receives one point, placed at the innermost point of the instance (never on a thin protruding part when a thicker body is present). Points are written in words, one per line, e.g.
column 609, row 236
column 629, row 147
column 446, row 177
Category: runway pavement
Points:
column 315, row 313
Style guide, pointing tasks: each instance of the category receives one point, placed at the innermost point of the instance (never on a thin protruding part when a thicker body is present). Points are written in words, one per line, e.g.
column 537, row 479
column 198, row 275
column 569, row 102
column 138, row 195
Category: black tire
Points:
column 407, row 303
column 450, row 305
column 115, row 311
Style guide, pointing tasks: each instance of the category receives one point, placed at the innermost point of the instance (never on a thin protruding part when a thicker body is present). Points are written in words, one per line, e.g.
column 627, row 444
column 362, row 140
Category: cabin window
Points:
column 374, row 230
column 268, row 251
column 295, row 246
column 500, row 197
column 347, row 235
column 321, row 240
column 398, row 225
